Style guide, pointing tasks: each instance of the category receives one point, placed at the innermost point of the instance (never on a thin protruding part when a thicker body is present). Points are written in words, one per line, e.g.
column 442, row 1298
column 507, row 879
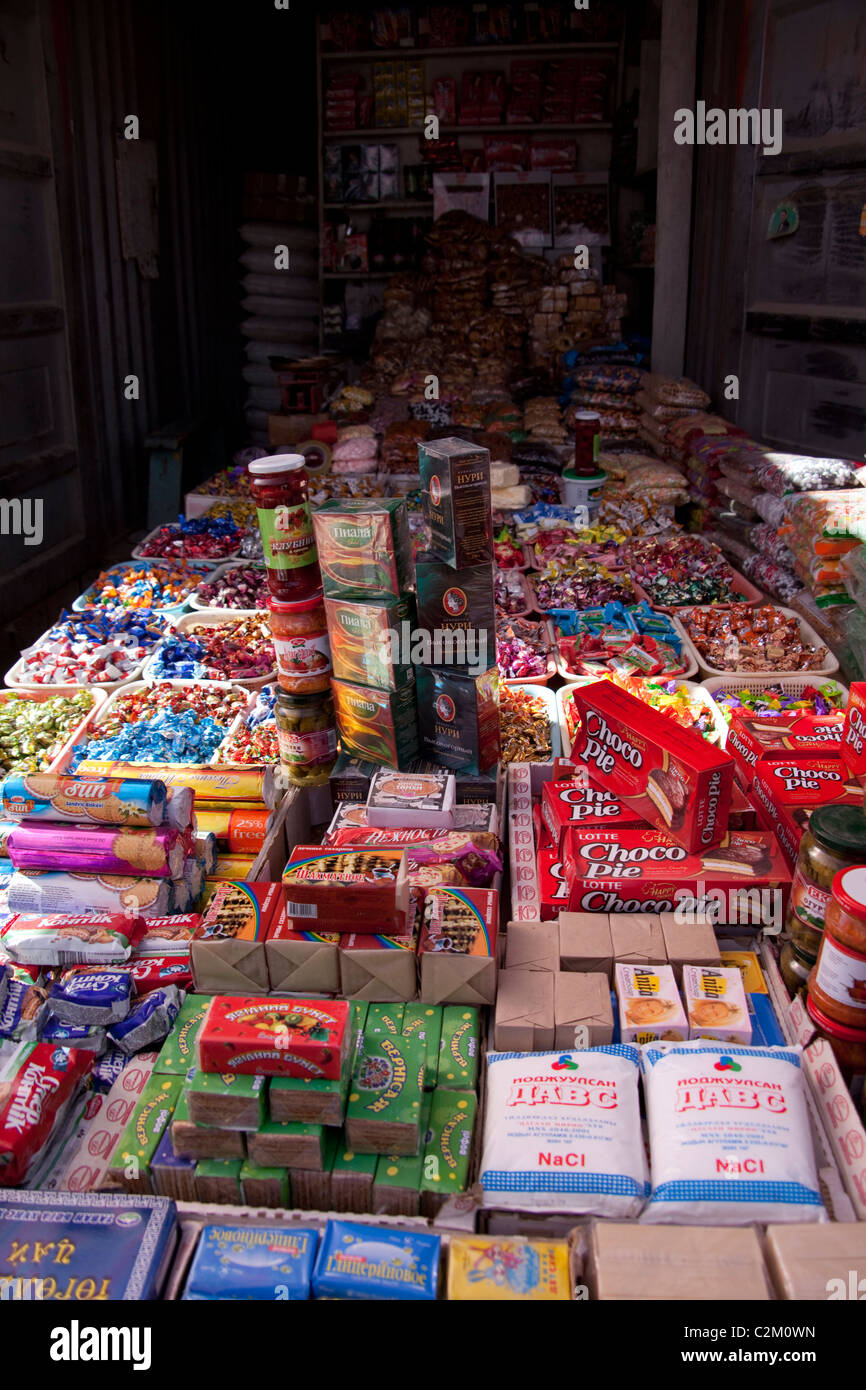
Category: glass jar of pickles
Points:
column 795, row 968
column 307, row 733
column 834, row 839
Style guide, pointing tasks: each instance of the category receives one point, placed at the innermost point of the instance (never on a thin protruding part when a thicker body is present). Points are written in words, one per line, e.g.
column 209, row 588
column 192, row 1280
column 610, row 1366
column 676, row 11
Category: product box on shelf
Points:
column 786, row 790
column 458, row 716
column 854, row 729
column 650, row 1008
column 455, row 498
column 579, row 802
column 679, row 783
column 752, row 740
column 347, row 890
column 277, row 1037
column 228, row 947
column 457, row 950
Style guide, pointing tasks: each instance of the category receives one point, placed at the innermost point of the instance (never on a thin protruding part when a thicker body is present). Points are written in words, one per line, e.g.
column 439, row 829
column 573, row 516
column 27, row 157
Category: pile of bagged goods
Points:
column 457, row 819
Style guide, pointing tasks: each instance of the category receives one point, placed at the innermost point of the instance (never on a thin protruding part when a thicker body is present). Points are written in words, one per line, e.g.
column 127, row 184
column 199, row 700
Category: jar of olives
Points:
column 834, row 839
column 307, row 733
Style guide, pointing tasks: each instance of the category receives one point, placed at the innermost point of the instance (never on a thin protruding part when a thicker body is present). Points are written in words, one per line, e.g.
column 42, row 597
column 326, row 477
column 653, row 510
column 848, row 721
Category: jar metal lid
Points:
column 587, row 415
column 849, row 890
column 842, row 828
column 276, row 463
column 829, row 1025
column 304, row 605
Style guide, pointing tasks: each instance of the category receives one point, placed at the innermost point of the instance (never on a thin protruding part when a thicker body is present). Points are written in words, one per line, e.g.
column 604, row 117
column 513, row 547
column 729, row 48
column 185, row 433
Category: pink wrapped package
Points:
column 88, row 849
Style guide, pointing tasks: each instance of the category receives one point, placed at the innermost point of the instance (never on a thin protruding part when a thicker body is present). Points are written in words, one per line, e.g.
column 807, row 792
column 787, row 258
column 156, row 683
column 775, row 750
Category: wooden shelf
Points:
column 472, row 50
column 383, row 205
column 500, row 128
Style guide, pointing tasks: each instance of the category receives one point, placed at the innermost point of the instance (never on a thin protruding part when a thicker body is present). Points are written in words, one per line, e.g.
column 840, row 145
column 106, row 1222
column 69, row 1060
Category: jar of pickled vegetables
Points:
column 834, row 839
column 795, row 967
column 307, row 733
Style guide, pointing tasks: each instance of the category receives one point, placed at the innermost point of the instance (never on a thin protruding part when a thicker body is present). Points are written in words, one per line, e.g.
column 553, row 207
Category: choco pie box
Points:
column 854, row 728
column 579, row 802
column 751, row 740
column 787, row 790
column 670, row 776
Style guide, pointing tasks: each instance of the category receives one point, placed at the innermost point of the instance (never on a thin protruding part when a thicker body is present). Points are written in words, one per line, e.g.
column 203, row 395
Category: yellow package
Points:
column 495, row 1268
column 749, row 967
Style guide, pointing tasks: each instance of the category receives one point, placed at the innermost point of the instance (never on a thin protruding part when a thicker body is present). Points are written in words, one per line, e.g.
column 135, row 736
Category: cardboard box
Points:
column 358, row 627
column 455, row 499
column 554, row 890
column 301, row 962
column 630, row 1262
column 524, row 1020
column 532, row 946
column 457, row 951
column 579, row 802
column 674, row 779
column 363, row 545
column 582, row 1011
column 688, row 943
column 382, row 968
column 716, row 1004
column 787, row 790
column 376, row 725
column 275, row 1037
column 228, row 949
column 637, row 940
column 350, row 779
column 650, row 1008
column 817, row 1263
column 419, row 800
column 585, row 943
column 752, row 739
column 347, row 890
column 458, row 717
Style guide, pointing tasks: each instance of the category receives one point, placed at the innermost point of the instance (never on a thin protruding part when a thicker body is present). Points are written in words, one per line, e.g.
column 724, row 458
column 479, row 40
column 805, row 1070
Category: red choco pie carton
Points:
column 854, row 729
column 787, row 790
column 670, row 776
column 750, row 741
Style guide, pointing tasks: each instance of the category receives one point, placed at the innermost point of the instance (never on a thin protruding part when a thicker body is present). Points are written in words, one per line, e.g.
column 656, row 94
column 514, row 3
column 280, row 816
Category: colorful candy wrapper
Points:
column 22, row 1013
column 108, row 1069
column 102, row 801
column 90, row 996
column 39, row 1085
column 226, row 786
column 158, row 853
column 87, row 1037
column 149, row 1023
column 179, row 807
column 36, row 939
column 38, row 890
column 156, row 972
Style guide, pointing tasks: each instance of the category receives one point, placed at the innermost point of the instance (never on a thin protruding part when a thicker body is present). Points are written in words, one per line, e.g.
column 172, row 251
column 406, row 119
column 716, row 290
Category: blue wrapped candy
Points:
column 149, row 1022
column 375, row 1262
column 86, row 997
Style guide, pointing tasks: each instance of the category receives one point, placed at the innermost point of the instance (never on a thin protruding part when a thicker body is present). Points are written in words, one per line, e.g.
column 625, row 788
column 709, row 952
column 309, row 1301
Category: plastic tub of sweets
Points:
column 49, row 692
column 548, row 699
column 197, row 606
column 808, row 635
column 205, row 568
column 212, row 617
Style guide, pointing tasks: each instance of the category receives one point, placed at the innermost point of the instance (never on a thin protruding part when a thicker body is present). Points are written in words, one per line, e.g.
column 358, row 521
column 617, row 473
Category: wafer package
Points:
column 347, row 890
column 457, row 950
column 447, row 1148
column 228, row 950
column 455, row 498
column 171, row 1175
column 383, row 1113
column 289, row 1144
column 359, row 631
column 275, row 1037
column 104, row 801
column 459, row 1048
column 177, row 1053
column 420, row 800
column 202, row 1141
column 235, row 786
column 44, row 845
column 675, row 780
column 364, row 546
column 226, row 1101
column 309, row 1102
column 43, row 891
column 131, row 1160
column 379, row 726
column 95, row 938
column 264, row 1187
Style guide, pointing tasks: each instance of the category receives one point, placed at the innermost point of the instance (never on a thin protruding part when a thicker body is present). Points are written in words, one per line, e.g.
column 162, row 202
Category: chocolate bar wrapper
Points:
column 101, row 802
column 226, row 1101
column 364, row 546
column 218, row 1181
column 675, row 780
column 38, row 1087
column 347, row 890
column 168, row 936
column 275, row 1037
column 254, row 786
column 149, row 1022
column 87, row 849
column 376, row 725
column 426, row 1021
column 89, row 997
column 373, row 1262
column 459, row 1048
column 458, row 717
column 23, row 1011
column 448, row 1147
column 130, row 1163
column 150, row 973
column 86, row 1037
column 177, row 1053
column 250, row 1262
column 264, row 1187
column 414, row 799
column 71, row 939
column 384, row 1109
column 38, row 890
column 358, row 628
column 455, row 499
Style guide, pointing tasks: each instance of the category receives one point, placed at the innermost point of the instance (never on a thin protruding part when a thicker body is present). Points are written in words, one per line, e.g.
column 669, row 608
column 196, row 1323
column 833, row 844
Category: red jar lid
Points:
column 304, row 605
column 829, row 1025
column 849, row 890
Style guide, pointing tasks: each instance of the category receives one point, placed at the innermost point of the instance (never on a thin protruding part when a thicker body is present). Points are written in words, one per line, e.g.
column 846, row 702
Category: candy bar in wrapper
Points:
column 88, row 997
column 150, row 1022
column 108, row 1069
column 68, row 939
column 23, row 1011
column 37, row 1090
column 102, row 801
column 36, row 890
column 88, row 1038
column 168, row 936
column 155, row 972
column 88, row 849
column 475, row 865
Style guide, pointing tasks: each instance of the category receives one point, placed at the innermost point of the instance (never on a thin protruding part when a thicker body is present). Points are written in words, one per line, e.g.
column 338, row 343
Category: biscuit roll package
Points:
column 90, row 800
column 40, row 890
column 39, row 1084
column 57, row 938
column 730, row 1140
column 562, row 1132
column 91, row 850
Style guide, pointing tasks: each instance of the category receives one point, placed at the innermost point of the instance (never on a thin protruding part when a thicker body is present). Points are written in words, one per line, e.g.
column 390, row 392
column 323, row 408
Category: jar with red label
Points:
column 848, row 1044
column 837, row 985
column 587, row 439
column 279, row 486
column 307, row 734
column 834, row 839
column 303, row 652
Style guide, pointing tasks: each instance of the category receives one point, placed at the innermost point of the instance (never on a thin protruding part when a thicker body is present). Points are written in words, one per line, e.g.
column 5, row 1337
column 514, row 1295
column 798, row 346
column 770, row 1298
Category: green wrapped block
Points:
column 352, row 1177
column 397, row 1184
column 448, row 1147
column 227, row 1101
column 426, row 1021
column 177, row 1053
column 218, row 1180
column 130, row 1164
column 383, row 1115
column 459, row 1048
column 287, row 1144
column 264, row 1187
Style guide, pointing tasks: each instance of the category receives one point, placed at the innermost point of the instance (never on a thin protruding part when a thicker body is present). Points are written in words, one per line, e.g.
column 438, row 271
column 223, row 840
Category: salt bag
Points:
column 730, row 1141
column 562, row 1132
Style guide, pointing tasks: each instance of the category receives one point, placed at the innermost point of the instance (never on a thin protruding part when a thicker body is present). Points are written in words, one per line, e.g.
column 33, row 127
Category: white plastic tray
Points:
column 209, row 617
column 221, row 560
column 556, row 730
column 47, row 692
column 730, row 684
column 689, row 663
column 196, row 606
column 16, row 676
column 698, row 693
column 204, row 567
column 808, row 635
